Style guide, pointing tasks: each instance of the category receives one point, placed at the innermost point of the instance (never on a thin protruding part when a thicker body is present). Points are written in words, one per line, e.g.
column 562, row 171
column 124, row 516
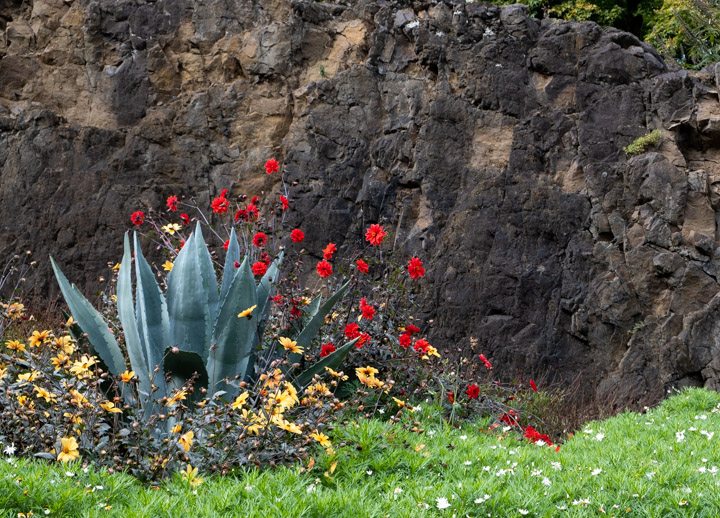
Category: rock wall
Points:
column 490, row 143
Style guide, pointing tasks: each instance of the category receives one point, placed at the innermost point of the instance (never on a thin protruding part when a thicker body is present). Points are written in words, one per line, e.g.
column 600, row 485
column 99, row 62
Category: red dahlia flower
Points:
column 473, row 391
column 185, row 218
column 172, row 202
column 485, row 361
column 137, row 218
column 259, row 268
column 272, row 166
column 285, row 202
column 324, row 268
column 366, row 309
column 327, row 349
column 421, row 346
column 220, row 204
column 352, row 330
column 259, row 239
column 415, row 268
column 226, row 244
column 533, row 386
column 375, row 235
column 362, row 266
column 329, row 250
column 364, row 338
column 405, row 340
column 297, row 235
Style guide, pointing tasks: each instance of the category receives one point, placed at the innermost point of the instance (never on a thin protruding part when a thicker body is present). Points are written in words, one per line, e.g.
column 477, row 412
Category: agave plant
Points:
column 194, row 329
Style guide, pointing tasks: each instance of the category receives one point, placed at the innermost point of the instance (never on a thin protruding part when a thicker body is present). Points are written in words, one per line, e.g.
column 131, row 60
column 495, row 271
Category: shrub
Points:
column 641, row 144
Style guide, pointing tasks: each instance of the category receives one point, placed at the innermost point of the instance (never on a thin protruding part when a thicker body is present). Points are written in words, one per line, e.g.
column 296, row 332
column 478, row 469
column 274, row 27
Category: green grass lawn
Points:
column 663, row 463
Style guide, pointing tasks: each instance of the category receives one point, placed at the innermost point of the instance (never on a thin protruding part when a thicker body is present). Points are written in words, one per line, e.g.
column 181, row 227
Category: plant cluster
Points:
column 641, row 144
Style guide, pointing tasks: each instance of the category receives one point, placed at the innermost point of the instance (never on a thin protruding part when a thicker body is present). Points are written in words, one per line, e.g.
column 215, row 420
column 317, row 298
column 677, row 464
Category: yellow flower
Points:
column 15, row 310
column 70, row 322
column 247, row 312
column 176, row 429
column 77, row 398
column 290, row 345
column 28, row 376
column 186, row 440
column 190, row 476
column 179, row 395
column 116, row 267
column 109, row 406
column 69, row 450
column 323, row 439
column 15, row 345
column 167, row 266
column 252, row 422
column 318, row 389
column 240, row 400
column 76, row 419
column 63, row 343
column 366, row 371
column 402, row 404
column 23, row 401
column 42, row 393
column 340, row 375
column 286, row 425
column 431, row 351
column 62, row 360
column 39, row 337
column 81, row 368
column 171, row 228
column 127, row 376
column 272, row 379
column 3, row 370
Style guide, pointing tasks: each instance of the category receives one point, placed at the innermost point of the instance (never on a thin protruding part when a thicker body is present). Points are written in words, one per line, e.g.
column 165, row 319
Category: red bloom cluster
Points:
column 535, row 436
column 272, row 166
column 329, row 250
column 485, row 361
column 415, row 268
column 366, row 309
column 451, row 397
column 406, row 337
column 362, row 266
column 352, row 330
column 259, row 239
column 297, row 235
column 324, row 269
column 237, row 264
column 364, row 338
column 137, row 218
column 249, row 213
column 421, row 346
column 172, row 202
column 259, row 268
column 285, row 202
column 185, row 218
column 510, row 418
column 226, row 244
column 220, row 204
column 473, row 391
column 327, row 349
column 375, row 235
column 533, row 386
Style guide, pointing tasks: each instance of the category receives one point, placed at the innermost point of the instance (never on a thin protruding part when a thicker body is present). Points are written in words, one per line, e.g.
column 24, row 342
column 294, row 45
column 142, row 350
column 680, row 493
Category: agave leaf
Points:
column 264, row 292
column 186, row 302
column 233, row 337
column 137, row 351
column 233, row 255
column 332, row 360
column 209, row 282
column 89, row 319
column 312, row 327
column 182, row 366
column 151, row 315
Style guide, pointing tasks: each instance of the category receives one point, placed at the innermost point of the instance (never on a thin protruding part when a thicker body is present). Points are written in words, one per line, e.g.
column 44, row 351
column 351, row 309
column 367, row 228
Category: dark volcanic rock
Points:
column 491, row 143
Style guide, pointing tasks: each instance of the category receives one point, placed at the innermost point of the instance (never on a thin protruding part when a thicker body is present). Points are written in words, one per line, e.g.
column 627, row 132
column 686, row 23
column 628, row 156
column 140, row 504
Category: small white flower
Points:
column 310, row 488
column 482, row 499
column 536, row 473
column 596, row 471
column 523, row 511
column 682, row 502
column 249, row 488
column 467, row 462
column 650, row 474
column 463, row 437
column 702, row 469
column 540, row 442
column 431, row 432
column 381, row 411
column 703, row 417
column 546, row 481
column 442, row 503
column 680, row 436
column 556, row 466
column 599, row 437
column 47, row 511
column 369, row 472
column 69, row 474
column 561, row 507
column 686, row 490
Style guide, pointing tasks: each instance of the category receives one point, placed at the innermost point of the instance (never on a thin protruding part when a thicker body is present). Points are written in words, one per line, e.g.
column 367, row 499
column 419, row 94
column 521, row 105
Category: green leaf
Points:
column 151, row 315
column 233, row 255
column 186, row 302
column 136, row 349
column 89, row 319
column 332, row 360
column 234, row 337
column 209, row 283
column 182, row 366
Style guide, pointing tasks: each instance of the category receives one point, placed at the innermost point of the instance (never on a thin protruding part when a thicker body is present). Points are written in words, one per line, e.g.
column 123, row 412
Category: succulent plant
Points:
column 193, row 330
